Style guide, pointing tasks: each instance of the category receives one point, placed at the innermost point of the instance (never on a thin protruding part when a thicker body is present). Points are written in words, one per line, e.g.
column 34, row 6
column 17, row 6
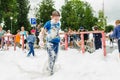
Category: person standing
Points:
column 52, row 28
column 23, row 33
column 17, row 39
column 97, row 39
column 2, row 32
column 31, row 40
column 41, row 38
column 7, row 39
column 37, row 34
column 116, row 34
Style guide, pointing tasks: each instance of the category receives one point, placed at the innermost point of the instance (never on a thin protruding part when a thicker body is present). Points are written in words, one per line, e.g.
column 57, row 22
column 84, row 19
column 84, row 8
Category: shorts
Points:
column 119, row 45
column 0, row 40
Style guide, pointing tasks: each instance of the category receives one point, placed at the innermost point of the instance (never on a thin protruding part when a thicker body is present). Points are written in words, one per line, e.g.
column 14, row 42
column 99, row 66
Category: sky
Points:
column 111, row 8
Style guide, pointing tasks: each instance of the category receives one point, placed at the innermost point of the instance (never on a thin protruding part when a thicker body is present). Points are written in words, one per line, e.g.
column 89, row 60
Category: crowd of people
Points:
column 7, row 38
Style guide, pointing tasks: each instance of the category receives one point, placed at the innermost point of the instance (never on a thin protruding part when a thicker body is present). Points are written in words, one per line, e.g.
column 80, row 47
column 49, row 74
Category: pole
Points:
column 11, row 25
column 104, row 44
column 66, row 42
column 82, row 43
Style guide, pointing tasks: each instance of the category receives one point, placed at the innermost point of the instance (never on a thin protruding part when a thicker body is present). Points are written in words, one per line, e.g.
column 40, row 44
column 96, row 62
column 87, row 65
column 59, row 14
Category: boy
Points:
column 52, row 28
column 31, row 40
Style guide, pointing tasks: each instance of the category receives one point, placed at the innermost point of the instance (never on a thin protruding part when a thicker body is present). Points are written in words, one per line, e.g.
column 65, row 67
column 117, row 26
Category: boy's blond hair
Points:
column 55, row 13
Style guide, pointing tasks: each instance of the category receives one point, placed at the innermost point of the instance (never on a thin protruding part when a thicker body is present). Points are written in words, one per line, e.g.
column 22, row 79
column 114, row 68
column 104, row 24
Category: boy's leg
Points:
column 30, row 46
column 52, row 56
column 32, row 49
column 56, row 47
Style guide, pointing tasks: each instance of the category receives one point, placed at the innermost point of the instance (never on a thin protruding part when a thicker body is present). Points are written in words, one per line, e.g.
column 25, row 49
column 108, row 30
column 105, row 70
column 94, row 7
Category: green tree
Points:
column 44, row 11
column 8, row 9
column 109, row 28
column 0, row 12
column 102, row 22
column 76, row 13
column 23, row 10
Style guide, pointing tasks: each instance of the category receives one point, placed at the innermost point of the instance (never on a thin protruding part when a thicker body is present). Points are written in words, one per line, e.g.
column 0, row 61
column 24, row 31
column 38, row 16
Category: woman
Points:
column 116, row 34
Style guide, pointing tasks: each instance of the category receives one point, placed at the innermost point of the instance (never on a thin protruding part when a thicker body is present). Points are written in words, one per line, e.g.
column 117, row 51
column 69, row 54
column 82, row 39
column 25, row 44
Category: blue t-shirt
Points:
column 52, row 31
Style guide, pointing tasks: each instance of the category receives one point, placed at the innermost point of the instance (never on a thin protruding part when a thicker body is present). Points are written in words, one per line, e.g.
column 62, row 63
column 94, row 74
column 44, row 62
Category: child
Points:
column 41, row 38
column 31, row 40
column 17, row 39
column 52, row 27
column 7, row 39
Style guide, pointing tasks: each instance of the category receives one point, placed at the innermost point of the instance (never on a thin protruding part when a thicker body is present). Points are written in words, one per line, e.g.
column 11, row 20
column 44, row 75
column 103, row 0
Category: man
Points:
column 52, row 28
column 116, row 34
column 97, row 39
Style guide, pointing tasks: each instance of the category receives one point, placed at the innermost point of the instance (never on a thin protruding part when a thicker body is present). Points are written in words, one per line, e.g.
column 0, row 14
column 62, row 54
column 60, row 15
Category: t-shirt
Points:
column 23, row 33
column 2, row 33
column 97, row 37
column 6, row 37
column 52, row 31
column 17, row 38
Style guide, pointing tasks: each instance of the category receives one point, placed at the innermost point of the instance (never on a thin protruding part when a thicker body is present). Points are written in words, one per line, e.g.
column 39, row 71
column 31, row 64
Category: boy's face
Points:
column 55, row 19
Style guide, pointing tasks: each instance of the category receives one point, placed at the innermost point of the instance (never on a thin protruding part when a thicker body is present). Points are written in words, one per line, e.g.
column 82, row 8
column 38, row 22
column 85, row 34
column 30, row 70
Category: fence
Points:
column 66, row 40
column 82, row 40
column 8, row 41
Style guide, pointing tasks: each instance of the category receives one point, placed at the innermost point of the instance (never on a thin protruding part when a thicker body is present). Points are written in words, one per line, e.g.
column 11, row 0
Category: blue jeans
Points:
column 31, row 46
column 52, row 49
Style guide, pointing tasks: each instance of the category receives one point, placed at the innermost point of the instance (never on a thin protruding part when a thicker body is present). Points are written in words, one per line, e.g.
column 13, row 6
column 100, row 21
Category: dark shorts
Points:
column 25, row 41
column 119, row 45
column 0, row 40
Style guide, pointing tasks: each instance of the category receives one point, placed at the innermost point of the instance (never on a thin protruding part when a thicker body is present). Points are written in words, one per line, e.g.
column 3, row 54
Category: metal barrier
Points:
column 82, row 40
column 14, row 37
column 66, row 40
column 8, row 40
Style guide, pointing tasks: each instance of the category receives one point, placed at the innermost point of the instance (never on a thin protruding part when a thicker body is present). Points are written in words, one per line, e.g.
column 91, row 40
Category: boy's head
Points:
column 32, row 31
column 55, row 16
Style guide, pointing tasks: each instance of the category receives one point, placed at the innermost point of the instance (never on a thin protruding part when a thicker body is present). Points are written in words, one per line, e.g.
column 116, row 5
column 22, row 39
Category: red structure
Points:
column 82, row 40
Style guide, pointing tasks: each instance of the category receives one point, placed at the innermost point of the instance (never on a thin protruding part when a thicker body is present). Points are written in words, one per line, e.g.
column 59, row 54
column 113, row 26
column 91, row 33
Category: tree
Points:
column 44, row 11
column 23, row 10
column 109, row 28
column 8, row 9
column 102, row 22
column 76, row 13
